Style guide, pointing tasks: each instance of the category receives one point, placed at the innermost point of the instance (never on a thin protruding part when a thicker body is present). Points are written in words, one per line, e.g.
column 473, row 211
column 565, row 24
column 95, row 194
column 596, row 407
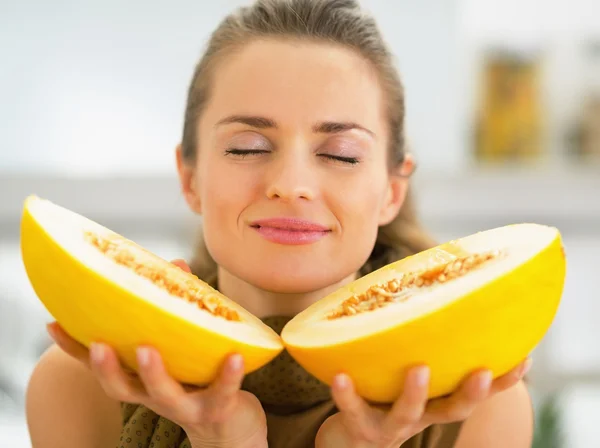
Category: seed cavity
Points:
column 401, row 289
column 161, row 273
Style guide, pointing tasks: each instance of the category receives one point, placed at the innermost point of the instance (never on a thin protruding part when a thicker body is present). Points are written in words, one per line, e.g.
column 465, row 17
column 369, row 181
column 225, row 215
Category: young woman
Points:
column 293, row 152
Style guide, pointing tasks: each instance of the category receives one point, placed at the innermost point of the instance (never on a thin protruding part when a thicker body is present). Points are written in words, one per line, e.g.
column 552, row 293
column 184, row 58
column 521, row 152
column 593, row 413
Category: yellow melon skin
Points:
column 92, row 308
column 494, row 327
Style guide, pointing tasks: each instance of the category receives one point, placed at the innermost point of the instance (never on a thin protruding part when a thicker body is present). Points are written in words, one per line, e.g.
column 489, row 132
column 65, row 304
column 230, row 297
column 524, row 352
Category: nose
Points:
column 292, row 178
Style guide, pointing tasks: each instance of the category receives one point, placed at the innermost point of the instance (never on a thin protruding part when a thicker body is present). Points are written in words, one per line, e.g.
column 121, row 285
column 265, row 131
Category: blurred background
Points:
column 503, row 103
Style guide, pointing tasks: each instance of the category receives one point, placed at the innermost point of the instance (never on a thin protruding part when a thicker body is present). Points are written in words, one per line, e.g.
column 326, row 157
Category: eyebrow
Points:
column 325, row 127
column 334, row 127
column 250, row 120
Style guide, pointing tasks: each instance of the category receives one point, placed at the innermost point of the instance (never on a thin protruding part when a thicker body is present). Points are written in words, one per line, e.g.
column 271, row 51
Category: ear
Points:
column 187, row 181
column 397, row 189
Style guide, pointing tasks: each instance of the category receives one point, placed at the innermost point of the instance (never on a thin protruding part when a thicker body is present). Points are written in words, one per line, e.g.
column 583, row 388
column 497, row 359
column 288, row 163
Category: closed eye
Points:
column 349, row 160
column 244, row 152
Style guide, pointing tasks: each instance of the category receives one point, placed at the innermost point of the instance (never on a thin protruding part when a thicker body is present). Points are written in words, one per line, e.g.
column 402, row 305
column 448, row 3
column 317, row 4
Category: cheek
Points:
column 362, row 202
column 226, row 192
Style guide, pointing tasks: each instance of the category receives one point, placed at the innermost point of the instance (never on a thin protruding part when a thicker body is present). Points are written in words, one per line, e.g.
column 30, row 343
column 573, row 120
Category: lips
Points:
column 291, row 224
column 291, row 231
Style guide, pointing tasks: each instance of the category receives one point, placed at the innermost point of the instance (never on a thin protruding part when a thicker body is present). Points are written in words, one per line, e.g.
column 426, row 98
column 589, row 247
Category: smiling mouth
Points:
column 290, row 225
column 290, row 231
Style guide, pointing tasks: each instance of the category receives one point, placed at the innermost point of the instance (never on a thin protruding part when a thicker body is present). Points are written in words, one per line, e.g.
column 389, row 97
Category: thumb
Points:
column 181, row 264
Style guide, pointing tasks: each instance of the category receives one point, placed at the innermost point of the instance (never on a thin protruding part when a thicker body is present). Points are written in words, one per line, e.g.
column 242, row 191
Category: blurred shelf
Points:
column 475, row 197
column 152, row 203
column 568, row 198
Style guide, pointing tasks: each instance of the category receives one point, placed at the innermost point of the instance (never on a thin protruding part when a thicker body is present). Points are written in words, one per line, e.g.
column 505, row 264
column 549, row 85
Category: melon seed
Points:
column 397, row 290
column 118, row 251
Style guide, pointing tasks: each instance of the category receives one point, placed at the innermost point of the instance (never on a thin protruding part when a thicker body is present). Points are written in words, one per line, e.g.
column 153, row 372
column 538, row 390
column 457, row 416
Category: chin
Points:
column 294, row 275
column 293, row 270
column 299, row 283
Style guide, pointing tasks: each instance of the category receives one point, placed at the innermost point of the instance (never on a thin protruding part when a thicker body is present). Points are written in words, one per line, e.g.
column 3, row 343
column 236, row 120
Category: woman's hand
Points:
column 359, row 425
column 219, row 415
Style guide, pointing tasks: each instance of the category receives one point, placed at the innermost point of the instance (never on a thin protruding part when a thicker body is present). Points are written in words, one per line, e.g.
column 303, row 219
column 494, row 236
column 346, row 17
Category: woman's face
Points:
column 291, row 176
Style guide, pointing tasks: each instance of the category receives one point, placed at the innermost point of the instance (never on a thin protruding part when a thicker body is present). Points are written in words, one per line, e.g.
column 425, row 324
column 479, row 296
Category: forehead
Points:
column 297, row 82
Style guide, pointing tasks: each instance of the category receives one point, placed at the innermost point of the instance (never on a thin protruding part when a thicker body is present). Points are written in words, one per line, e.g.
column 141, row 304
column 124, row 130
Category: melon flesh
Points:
column 94, row 298
column 491, row 317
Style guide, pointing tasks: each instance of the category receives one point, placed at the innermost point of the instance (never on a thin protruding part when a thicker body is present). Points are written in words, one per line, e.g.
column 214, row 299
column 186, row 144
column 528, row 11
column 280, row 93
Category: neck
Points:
column 263, row 303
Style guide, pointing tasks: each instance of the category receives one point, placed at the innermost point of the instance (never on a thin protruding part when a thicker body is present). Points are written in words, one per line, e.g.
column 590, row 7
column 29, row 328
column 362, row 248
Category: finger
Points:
column 511, row 378
column 111, row 376
column 461, row 403
column 181, row 264
column 355, row 410
column 221, row 394
column 408, row 410
column 67, row 343
column 161, row 388
column 74, row 348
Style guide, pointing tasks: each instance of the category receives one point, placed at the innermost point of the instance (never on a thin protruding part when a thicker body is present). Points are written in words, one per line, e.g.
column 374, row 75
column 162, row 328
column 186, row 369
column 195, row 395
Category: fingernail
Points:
column 235, row 363
column 526, row 367
column 342, row 380
column 423, row 376
column 485, row 380
column 97, row 352
column 143, row 356
column 51, row 331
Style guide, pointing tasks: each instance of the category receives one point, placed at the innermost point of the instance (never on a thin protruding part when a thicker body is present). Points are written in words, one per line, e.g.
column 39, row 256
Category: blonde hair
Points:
column 340, row 22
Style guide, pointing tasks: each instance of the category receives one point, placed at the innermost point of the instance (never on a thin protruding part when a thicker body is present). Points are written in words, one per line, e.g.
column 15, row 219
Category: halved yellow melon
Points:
column 483, row 301
column 101, row 286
